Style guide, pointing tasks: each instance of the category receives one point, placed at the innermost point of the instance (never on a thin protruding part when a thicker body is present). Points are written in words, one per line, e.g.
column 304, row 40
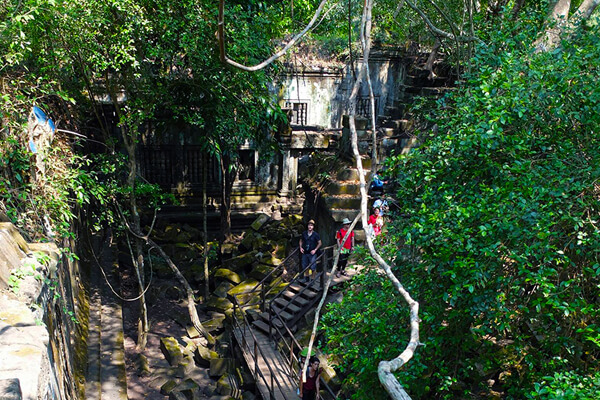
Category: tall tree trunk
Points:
column 143, row 327
column 556, row 21
column 227, row 178
column 432, row 57
column 386, row 369
column 204, row 223
column 130, row 141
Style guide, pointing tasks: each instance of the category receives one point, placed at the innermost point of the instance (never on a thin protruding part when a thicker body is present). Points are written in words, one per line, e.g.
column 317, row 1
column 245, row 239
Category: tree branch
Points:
column 324, row 296
column 437, row 31
column 386, row 368
column 292, row 42
column 584, row 11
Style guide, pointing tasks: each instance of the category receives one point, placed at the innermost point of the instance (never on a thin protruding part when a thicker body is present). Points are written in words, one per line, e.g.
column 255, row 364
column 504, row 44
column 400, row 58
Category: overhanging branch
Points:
column 257, row 67
column 438, row 31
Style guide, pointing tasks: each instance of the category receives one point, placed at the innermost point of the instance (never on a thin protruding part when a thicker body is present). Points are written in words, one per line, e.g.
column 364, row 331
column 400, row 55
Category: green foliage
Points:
column 499, row 239
column 567, row 386
column 365, row 329
column 502, row 238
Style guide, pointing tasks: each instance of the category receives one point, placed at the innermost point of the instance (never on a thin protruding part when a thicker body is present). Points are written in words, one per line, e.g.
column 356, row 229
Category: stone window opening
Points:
column 299, row 112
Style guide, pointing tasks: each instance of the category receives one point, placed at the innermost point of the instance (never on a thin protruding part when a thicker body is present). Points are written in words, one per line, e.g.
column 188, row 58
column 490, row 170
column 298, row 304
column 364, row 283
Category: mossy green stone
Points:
column 237, row 263
column 259, row 222
column 221, row 366
column 261, row 271
column 224, row 385
column 222, row 289
column 248, row 242
column 203, row 355
column 171, row 350
column 226, row 274
column 187, row 364
column 168, row 387
column 214, row 324
column 218, row 304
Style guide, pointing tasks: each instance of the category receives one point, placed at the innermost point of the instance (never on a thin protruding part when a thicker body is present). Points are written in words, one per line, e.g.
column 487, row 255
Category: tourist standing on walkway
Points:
column 309, row 390
column 346, row 248
column 310, row 242
column 376, row 222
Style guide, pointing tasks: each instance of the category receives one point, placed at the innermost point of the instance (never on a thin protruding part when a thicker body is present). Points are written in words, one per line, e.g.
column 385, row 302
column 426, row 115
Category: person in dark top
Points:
column 310, row 242
column 309, row 387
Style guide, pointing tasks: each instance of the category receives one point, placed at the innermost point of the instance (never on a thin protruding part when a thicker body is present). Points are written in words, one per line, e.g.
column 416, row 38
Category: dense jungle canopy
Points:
column 496, row 234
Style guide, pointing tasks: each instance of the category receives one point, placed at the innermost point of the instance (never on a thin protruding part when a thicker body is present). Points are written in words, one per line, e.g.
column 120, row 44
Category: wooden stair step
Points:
column 291, row 296
column 281, row 313
column 266, row 317
column 261, row 325
column 286, row 305
column 308, row 292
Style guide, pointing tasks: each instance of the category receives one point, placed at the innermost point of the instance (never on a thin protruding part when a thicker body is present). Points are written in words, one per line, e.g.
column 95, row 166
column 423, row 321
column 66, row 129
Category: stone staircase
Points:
column 397, row 125
column 292, row 304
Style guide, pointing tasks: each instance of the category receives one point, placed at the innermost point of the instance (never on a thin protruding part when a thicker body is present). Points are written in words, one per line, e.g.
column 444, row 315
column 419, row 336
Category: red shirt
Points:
column 340, row 235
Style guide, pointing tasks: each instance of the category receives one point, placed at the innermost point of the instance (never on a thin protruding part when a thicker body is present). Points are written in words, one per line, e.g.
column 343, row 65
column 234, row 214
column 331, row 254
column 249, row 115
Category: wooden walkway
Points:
column 269, row 367
column 273, row 371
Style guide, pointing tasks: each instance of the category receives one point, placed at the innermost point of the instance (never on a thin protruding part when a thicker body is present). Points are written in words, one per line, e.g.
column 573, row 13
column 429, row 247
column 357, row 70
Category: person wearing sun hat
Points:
column 346, row 248
column 310, row 242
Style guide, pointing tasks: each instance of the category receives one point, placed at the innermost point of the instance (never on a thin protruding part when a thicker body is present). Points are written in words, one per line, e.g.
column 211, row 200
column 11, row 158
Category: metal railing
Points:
column 257, row 353
column 262, row 292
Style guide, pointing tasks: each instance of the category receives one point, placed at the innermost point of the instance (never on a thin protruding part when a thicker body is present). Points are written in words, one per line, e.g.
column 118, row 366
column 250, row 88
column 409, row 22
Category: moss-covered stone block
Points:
column 259, row 222
column 175, row 395
column 195, row 272
column 203, row 356
column 248, row 243
column 187, row 364
column 143, row 366
column 261, row 271
column 221, row 366
column 236, row 264
column 224, row 274
column 214, row 324
column 226, row 385
column 270, row 259
column 219, row 304
column 168, row 387
column 242, row 291
column 222, row 289
column 171, row 350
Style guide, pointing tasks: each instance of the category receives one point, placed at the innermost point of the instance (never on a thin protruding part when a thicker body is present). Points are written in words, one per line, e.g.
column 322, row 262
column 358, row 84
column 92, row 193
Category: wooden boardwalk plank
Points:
column 284, row 387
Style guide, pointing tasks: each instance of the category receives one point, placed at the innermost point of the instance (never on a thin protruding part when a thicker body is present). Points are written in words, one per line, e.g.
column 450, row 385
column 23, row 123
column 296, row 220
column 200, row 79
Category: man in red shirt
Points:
column 346, row 248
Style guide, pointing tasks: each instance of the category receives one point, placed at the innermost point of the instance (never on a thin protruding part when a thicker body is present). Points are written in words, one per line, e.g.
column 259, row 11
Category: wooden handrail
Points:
column 257, row 350
column 275, row 314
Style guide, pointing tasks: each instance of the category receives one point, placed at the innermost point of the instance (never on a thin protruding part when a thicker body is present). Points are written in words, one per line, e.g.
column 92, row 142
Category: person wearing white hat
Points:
column 346, row 248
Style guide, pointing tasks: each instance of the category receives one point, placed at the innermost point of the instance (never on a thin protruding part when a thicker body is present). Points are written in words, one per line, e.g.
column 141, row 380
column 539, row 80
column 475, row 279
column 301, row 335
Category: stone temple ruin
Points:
column 70, row 335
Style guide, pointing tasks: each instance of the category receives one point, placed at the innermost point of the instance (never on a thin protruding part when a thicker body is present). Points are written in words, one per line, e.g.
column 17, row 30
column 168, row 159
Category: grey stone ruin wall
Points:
column 41, row 329
column 326, row 91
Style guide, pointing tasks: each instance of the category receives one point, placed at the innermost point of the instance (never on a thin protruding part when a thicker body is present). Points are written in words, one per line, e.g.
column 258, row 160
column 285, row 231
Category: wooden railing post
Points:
column 255, row 358
column 262, row 298
column 324, row 264
column 291, row 356
column 272, row 391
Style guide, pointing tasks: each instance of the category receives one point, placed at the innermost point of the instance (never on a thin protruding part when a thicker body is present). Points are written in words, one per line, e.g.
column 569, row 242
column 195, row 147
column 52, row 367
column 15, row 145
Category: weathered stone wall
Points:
column 325, row 91
column 40, row 321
